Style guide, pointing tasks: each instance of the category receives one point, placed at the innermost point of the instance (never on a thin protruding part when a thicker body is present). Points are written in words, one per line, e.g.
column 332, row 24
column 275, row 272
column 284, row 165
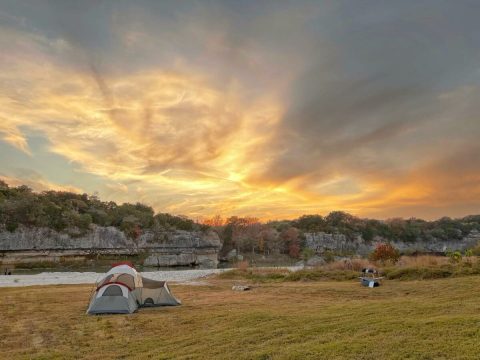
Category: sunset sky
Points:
column 271, row 109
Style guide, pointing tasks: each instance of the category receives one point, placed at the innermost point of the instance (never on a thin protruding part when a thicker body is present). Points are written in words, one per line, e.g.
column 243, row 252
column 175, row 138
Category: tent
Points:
column 123, row 290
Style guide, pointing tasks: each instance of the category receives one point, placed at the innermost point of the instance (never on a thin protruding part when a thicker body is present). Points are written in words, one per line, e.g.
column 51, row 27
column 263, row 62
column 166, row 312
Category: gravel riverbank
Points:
column 55, row 278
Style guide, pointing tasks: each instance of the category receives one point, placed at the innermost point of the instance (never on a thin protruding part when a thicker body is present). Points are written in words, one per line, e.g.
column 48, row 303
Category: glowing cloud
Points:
column 275, row 113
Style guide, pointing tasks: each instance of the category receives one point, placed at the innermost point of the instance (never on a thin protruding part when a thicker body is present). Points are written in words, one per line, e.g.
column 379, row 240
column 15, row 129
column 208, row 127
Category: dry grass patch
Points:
column 287, row 320
column 422, row 260
column 355, row 264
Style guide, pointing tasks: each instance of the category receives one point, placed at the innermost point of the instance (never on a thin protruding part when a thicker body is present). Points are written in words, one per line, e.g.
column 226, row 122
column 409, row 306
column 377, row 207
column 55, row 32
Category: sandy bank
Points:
column 55, row 278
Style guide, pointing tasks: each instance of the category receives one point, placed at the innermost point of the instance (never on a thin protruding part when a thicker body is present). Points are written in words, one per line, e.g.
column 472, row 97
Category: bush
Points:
column 476, row 250
column 11, row 226
column 385, row 253
column 328, row 256
column 455, row 256
column 307, row 253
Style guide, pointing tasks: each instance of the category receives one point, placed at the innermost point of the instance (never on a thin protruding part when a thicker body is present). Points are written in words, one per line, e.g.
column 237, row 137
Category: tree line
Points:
column 287, row 236
column 63, row 211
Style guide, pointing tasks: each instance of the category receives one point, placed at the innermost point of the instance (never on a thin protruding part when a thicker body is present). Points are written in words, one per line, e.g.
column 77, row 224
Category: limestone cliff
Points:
column 321, row 242
column 162, row 249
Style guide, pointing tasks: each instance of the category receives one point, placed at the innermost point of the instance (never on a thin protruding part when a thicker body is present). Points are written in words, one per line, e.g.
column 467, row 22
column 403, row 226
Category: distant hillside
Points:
column 55, row 227
column 61, row 211
column 75, row 213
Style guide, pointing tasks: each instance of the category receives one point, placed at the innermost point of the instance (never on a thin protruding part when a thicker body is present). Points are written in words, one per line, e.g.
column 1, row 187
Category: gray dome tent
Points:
column 123, row 290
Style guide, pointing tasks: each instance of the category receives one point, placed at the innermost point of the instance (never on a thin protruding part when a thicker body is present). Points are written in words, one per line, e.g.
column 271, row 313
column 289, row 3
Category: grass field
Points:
column 429, row 319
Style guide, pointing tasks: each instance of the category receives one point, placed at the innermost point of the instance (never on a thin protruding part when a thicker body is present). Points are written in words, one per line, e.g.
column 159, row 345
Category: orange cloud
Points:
column 38, row 184
column 175, row 139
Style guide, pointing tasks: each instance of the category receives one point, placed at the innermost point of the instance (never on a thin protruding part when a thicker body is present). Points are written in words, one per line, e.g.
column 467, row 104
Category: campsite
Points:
column 239, row 179
column 331, row 318
column 122, row 290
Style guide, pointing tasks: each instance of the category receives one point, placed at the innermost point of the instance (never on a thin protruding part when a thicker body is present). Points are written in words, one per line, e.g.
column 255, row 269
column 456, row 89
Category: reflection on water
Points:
column 102, row 268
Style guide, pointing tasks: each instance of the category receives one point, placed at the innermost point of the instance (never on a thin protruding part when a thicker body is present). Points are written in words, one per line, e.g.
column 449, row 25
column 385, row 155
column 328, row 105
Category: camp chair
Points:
column 370, row 278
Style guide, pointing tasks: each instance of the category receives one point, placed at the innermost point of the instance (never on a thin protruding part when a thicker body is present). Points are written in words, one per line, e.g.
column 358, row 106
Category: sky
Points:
column 271, row 109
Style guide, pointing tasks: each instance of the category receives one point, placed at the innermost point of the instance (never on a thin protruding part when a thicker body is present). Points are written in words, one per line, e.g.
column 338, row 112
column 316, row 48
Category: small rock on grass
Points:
column 240, row 287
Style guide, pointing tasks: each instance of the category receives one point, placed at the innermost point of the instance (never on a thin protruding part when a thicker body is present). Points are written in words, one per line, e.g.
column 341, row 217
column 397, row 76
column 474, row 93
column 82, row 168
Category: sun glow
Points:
column 198, row 113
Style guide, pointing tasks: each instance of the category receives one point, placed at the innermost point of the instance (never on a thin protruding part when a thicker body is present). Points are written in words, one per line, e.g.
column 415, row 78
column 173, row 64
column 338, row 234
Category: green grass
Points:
column 261, row 275
column 281, row 275
column 431, row 319
column 433, row 272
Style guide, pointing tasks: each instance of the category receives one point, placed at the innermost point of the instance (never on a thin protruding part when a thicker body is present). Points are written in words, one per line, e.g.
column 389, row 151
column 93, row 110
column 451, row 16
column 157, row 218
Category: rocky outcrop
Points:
column 339, row 243
column 321, row 242
column 169, row 248
column 315, row 261
column 195, row 257
column 47, row 239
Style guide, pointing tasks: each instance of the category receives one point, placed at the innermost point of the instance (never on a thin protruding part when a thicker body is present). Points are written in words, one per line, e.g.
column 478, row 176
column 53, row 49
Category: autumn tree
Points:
column 384, row 253
column 291, row 240
column 268, row 240
column 244, row 232
column 215, row 221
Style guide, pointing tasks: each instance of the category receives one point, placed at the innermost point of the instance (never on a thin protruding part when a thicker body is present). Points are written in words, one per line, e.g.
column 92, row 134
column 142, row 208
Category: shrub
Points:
column 329, row 256
column 476, row 250
column 307, row 253
column 385, row 253
column 11, row 226
column 455, row 256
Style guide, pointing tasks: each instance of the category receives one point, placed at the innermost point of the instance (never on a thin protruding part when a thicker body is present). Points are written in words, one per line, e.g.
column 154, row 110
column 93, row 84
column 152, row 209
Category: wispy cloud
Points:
column 13, row 136
column 266, row 109
column 35, row 181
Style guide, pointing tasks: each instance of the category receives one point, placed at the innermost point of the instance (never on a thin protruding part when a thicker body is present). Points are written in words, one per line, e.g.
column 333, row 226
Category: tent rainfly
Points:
column 123, row 290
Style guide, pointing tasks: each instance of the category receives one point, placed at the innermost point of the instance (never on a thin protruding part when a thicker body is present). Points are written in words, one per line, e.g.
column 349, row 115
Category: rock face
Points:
column 316, row 261
column 232, row 255
column 321, row 242
column 173, row 248
column 47, row 239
